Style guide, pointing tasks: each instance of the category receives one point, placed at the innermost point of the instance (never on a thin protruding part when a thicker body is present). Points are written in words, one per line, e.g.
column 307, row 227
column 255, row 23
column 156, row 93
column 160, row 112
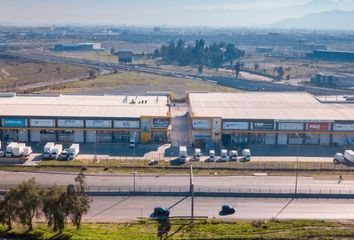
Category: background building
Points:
column 270, row 118
column 79, row 47
column 69, row 118
column 339, row 80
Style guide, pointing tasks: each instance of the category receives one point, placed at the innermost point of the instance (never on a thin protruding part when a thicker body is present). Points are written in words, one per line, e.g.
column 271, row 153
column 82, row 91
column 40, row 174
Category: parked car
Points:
column 153, row 162
column 227, row 210
column 161, row 212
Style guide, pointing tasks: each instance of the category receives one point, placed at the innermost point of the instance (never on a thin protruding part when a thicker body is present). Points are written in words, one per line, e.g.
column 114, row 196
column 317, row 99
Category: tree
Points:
column 200, row 69
column 156, row 53
column 27, row 202
column 7, row 209
column 237, row 68
column 55, row 207
column 78, row 200
column 279, row 71
column 112, row 51
column 232, row 53
column 256, row 67
column 92, row 74
column 216, row 55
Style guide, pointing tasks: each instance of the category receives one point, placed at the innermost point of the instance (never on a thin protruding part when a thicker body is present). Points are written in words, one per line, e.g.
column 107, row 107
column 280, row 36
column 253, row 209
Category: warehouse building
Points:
column 91, row 119
column 232, row 119
column 339, row 80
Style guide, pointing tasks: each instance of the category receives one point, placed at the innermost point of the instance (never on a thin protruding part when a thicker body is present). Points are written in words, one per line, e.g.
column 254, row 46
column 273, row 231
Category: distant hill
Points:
column 336, row 20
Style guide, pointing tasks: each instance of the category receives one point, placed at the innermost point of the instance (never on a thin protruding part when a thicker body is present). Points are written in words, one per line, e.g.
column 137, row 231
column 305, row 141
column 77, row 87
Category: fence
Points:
column 175, row 165
column 214, row 191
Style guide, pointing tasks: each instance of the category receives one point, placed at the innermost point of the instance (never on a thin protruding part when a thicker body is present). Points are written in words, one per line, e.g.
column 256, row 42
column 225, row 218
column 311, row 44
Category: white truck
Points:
column 224, row 156
column 56, row 151
column 182, row 154
column 73, row 150
column 18, row 150
column 9, row 149
column 47, row 150
column 246, row 153
column 233, row 155
column 27, row 151
column 212, row 155
column 197, row 154
column 341, row 158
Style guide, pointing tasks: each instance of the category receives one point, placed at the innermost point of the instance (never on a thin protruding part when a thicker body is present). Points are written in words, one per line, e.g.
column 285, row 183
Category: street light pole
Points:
column 297, row 165
column 192, row 194
column 134, row 172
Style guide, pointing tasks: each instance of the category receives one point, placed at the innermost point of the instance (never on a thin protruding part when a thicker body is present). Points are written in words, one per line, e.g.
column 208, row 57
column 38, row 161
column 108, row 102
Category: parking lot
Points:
column 167, row 152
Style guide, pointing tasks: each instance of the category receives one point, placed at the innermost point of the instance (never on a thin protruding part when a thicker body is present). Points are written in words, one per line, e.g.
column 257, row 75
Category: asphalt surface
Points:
column 258, row 183
column 105, row 209
column 244, row 84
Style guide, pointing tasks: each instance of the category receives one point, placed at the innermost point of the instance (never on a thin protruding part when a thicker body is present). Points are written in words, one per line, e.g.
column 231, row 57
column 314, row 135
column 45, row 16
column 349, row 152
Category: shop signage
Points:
column 216, row 125
column 42, row 123
column 70, row 123
column 291, row 126
column 14, row 122
column 263, row 126
column 343, row 127
column 98, row 123
column 235, row 125
column 160, row 123
column 131, row 124
column 318, row 126
column 201, row 124
column 145, row 125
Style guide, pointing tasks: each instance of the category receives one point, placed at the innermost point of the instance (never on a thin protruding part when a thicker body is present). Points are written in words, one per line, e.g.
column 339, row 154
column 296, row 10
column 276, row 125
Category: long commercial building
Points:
column 74, row 118
column 270, row 118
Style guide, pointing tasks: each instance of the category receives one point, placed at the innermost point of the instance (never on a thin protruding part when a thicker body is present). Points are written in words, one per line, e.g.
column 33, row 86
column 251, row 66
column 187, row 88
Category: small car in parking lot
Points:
column 153, row 162
column 227, row 210
column 161, row 212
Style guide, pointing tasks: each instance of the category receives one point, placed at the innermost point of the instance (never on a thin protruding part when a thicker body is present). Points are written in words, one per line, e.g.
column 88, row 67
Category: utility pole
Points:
column 297, row 165
column 134, row 172
column 192, row 194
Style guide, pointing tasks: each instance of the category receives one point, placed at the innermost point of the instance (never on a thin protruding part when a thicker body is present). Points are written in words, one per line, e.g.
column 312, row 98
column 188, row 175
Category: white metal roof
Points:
column 84, row 106
column 266, row 105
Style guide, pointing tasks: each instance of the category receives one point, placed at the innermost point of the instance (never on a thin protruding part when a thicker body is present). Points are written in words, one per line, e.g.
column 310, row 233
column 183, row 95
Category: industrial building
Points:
column 339, row 80
column 78, row 118
column 79, row 47
column 329, row 55
column 270, row 119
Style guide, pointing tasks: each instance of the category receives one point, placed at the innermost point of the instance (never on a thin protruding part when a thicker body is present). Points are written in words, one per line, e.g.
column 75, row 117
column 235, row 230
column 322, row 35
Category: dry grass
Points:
column 133, row 82
column 15, row 73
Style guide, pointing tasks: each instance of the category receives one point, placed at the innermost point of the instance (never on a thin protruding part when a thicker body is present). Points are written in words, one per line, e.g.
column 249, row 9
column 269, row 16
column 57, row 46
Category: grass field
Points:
column 16, row 73
column 136, row 83
column 203, row 229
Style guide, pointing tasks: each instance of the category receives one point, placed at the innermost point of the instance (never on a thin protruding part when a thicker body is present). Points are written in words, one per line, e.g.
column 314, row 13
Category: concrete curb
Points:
column 225, row 195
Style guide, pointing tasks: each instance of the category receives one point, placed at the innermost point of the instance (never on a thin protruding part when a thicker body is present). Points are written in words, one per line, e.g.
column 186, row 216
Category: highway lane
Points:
column 259, row 183
column 248, row 85
column 105, row 209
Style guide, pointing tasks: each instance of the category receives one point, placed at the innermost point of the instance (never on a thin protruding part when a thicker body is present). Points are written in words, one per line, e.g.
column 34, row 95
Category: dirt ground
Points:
column 135, row 83
column 15, row 73
column 299, row 70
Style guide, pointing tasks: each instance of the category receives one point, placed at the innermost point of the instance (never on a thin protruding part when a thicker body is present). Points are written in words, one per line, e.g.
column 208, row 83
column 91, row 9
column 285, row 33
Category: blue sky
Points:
column 162, row 12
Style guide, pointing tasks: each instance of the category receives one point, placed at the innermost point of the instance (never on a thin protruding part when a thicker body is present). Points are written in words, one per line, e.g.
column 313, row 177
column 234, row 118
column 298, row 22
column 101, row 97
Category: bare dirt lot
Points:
column 299, row 70
column 135, row 83
column 14, row 74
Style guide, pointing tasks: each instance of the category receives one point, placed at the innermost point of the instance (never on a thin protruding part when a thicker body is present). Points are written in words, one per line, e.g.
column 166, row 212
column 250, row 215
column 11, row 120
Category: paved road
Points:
column 248, row 85
column 260, row 183
column 125, row 208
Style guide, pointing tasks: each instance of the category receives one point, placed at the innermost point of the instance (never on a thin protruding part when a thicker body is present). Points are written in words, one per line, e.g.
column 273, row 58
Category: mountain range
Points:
column 328, row 20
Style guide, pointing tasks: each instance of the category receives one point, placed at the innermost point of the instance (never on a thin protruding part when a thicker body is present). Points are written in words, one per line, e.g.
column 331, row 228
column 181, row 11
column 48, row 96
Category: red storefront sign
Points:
column 318, row 126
